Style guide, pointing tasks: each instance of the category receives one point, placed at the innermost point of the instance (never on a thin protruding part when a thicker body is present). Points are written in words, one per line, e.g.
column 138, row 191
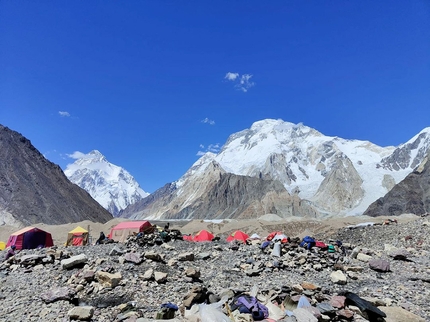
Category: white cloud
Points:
column 231, row 76
column 64, row 113
column 242, row 82
column 214, row 148
column 76, row 155
column 208, row 121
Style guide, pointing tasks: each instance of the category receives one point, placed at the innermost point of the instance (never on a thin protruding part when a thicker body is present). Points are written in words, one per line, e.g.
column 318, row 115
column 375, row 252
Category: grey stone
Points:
column 74, row 261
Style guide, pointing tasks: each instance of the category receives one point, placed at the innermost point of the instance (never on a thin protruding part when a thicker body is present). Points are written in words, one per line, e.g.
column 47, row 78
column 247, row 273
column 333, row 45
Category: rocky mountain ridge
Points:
column 35, row 190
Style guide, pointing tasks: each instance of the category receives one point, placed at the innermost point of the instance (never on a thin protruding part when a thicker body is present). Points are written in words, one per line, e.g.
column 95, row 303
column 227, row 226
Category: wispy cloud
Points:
column 64, row 113
column 231, row 76
column 208, row 121
column 76, row 155
column 241, row 82
column 214, row 148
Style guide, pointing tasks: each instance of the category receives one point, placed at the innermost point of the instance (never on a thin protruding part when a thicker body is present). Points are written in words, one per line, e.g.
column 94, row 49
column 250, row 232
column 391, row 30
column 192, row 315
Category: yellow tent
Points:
column 2, row 245
column 77, row 237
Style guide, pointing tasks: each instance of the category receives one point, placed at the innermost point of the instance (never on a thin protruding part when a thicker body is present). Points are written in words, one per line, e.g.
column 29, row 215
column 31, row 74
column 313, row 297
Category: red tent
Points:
column 187, row 237
column 30, row 238
column 124, row 229
column 238, row 235
column 203, row 235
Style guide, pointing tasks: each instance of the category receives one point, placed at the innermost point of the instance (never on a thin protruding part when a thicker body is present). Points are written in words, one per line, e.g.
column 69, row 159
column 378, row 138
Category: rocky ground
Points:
column 387, row 265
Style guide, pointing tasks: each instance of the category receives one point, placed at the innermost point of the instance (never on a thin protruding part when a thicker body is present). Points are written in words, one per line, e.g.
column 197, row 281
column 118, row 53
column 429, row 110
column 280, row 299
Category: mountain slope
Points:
column 112, row 186
column 411, row 195
column 211, row 193
column 328, row 176
column 35, row 190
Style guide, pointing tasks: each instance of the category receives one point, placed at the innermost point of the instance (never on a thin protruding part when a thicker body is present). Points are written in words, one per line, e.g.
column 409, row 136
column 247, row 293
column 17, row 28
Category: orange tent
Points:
column 238, row 235
column 203, row 235
column 77, row 237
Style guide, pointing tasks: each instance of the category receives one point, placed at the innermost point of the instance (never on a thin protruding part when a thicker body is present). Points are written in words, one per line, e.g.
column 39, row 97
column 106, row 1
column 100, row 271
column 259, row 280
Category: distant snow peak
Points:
column 110, row 185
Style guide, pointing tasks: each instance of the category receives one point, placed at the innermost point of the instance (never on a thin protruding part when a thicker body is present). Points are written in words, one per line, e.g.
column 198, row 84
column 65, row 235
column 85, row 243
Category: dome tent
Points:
column 203, row 235
column 238, row 235
column 30, row 238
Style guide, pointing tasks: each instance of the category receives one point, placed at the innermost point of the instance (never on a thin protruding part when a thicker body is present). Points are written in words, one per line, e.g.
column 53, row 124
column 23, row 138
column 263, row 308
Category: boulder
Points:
column 363, row 257
column 56, row 294
column 398, row 314
column 82, row 313
column 189, row 256
column 108, row 279
column 153, row 256
column 74, row 261
column 338, row 277
column 379, row 265
column 303, row 315
column 160, row 277
column 135, row 258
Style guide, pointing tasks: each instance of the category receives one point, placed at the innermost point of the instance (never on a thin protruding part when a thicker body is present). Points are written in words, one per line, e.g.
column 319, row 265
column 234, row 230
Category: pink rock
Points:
column 338, row 301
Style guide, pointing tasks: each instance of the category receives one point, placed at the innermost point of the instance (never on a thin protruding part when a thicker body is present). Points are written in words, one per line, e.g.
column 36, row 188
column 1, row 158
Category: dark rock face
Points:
column 230, row 196
column 35, row 190
column 412, row 195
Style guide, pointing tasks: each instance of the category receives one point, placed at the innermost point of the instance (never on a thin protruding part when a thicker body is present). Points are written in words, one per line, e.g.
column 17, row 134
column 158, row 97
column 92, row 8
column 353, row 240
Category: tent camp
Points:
column 203, row 235
column 238, row 235
column 30, row 238
column 77, row 237
column 124, row 229
column 2, row 245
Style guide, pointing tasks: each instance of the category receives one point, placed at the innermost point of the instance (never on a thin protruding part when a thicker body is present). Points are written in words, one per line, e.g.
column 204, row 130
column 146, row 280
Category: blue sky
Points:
column 151, row 83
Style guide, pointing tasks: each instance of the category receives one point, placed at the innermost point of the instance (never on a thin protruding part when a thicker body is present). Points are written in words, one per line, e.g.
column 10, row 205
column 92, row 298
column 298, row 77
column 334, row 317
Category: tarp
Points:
column 203, row 235
column 238, row 235
column 125, row 229
column 277, row 235
column 30, row 238
column 77, row 237
column 187, row 237
column 2, row 245
column 255, row 236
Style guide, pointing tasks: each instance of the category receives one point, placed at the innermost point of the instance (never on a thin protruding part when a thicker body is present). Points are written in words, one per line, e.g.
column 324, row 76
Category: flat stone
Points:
column 81, row 313
column 74, row 261
column 57, row 294
column 398, row 314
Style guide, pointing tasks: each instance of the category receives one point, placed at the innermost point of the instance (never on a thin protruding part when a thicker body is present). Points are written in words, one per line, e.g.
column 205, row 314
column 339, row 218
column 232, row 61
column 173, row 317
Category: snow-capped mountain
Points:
column 323, row 175
column 110, row 185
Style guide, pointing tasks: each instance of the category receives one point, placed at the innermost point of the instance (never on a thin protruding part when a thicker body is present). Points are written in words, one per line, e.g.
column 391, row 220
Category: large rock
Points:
column 132, row 257
column 338, row 277
column 82, row 313
column 398, row 314
column 108, row 279
column 363, row 257
column 74, row 261
column 379, row 265
column 188, row 256
column 303, row 315
column 57, row 294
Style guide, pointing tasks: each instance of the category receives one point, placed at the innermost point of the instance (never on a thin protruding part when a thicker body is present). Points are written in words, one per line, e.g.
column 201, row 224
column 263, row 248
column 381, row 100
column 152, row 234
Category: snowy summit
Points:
column 110, row 185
